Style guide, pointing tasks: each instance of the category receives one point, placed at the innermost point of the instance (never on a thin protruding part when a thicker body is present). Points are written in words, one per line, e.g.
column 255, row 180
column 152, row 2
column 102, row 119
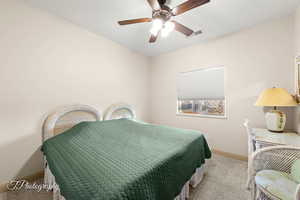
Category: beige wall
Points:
column 46, row 62
column 255, row 59
column 297, row 53
column 297, row 31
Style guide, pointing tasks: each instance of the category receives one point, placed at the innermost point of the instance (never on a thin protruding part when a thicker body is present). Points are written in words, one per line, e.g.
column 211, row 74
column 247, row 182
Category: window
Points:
column 201, row 92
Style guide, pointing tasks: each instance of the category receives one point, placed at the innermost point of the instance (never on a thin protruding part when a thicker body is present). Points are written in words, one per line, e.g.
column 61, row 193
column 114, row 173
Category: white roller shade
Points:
column 205, row 83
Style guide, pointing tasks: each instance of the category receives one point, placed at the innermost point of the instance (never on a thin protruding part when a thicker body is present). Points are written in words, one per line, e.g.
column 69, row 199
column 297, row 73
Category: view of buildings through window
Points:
column 201, row 92
column 202, row 107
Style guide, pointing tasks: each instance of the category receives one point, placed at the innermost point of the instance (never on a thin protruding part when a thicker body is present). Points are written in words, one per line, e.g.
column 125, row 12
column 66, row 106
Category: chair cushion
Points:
column 295, row 171
column 279, row 184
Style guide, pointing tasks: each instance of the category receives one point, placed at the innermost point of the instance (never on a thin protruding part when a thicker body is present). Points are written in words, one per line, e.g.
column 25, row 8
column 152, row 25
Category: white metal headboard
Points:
column 120, row 110
column 67, row 117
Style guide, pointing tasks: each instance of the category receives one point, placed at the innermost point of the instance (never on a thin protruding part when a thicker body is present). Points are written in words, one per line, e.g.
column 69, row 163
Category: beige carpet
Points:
column 225, row 180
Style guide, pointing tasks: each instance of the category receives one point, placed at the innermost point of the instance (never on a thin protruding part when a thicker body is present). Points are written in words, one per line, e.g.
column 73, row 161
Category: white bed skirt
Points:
column 185, row 192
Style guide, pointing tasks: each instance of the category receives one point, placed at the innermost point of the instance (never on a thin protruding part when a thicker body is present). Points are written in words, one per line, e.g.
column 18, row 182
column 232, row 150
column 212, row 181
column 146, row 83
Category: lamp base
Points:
column 275, row 120
column 275, row 131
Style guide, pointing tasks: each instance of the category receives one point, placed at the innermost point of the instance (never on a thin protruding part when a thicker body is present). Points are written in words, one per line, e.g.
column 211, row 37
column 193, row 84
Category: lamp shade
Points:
column 275, row 97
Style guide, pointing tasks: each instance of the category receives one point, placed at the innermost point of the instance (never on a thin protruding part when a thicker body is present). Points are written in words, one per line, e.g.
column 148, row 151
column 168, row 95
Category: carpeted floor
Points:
column 225, row 180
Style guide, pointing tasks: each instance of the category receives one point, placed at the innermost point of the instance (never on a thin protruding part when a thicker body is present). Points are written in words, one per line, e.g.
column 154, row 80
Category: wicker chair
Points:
column 277, row 159
column 251, row 148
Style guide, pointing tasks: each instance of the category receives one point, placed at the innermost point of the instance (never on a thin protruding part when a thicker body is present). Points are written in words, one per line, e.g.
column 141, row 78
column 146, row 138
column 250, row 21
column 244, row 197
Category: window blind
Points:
column 202, row 84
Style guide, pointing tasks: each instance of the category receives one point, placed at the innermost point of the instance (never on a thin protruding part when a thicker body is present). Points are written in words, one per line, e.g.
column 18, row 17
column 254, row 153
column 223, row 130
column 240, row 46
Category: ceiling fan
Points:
column 162, row 22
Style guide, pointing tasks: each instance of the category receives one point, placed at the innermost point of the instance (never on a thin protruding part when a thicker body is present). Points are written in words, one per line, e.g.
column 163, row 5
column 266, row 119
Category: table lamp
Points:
column 275, row 97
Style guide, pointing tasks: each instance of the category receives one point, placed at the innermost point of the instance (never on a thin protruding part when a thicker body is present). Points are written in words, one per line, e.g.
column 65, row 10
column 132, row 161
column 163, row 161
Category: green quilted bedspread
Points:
column 124, row 160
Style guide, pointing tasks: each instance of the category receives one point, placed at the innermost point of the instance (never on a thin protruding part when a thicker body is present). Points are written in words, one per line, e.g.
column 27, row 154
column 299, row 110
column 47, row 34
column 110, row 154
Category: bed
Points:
column 120, row 157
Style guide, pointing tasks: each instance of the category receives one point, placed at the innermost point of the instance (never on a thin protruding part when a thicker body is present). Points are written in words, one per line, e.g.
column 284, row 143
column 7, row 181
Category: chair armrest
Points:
column 298, row 193
column 279, row 158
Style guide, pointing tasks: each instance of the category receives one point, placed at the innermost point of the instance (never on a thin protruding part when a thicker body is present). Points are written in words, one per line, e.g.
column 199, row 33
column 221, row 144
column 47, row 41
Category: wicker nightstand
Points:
column 264, row 138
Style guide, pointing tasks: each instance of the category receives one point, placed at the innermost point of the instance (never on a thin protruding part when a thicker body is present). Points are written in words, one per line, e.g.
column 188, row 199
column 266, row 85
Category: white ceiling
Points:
column 215, row 19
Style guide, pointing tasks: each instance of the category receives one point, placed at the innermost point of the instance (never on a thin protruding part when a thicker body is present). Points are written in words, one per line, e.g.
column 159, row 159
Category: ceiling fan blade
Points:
column 154, row 4
column 134, row 21
column 183, row 29
column 153, row 38
column 188, row 5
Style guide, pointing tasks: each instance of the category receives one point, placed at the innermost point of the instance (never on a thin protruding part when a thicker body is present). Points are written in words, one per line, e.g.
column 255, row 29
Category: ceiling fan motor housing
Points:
column 164, row 15
column 162, row 2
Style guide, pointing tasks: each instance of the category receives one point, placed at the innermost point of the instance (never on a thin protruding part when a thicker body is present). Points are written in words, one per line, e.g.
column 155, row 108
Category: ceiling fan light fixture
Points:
column 154, row 31
column 169, row 26
column 164, row 33
column 157, row 25
column 167, row 29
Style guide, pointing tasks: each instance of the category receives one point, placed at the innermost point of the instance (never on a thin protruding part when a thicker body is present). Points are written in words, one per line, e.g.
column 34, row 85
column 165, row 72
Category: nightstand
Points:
column 264, row 138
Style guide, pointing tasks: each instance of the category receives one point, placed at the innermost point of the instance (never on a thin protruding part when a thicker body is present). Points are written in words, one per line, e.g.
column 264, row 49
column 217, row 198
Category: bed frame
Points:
column 66, row 117
column 119, row 110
